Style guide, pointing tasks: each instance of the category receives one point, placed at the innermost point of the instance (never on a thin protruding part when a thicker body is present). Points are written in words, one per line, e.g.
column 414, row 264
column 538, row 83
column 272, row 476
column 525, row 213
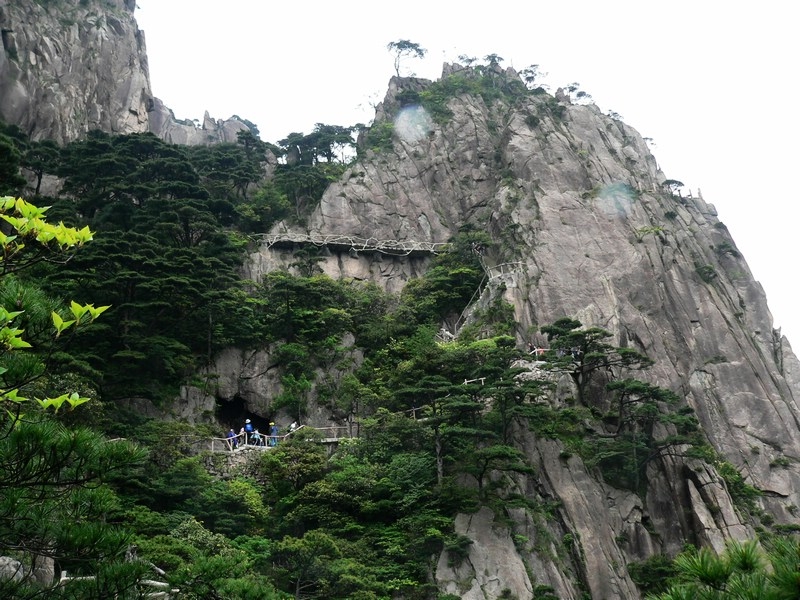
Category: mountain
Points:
column 71, row 67
column 582, row 224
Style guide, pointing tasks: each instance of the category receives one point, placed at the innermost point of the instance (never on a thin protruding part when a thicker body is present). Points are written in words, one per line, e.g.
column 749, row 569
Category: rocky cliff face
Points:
column 583, row 227
column 70, row 67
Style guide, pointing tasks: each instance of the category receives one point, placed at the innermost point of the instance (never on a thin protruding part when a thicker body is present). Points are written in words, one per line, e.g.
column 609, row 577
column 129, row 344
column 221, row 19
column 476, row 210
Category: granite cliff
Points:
column 70, row 67
column 582, row 225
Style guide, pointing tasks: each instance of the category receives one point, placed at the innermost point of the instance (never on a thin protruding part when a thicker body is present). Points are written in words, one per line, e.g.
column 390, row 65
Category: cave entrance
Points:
column 233, row 413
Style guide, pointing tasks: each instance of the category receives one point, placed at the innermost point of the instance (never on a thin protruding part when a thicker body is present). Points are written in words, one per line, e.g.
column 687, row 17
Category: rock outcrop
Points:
column 583, row 226
column 69, row 68
column 163, row 123
column 65, row 70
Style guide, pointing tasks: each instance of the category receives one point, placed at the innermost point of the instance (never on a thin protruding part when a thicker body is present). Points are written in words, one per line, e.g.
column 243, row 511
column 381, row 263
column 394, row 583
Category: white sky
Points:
column 711, row 81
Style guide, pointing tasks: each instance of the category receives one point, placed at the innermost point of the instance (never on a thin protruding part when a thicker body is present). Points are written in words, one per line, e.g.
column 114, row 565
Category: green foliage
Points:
column 303, row 563
column 635, row 415
column 673, row 185
column 29, row 239
column 706, row 272
column 365, row 522
column 11, row 182
column 54, row 501
column 405, row 48
column 264, row 208
column 380, row 137
column 304, row 184
column 648, row 230
column 484, row 81
column 551, row 106
column 726, row 248
column 177, row 273
column 743, row 570
column 584, row 352
column 448, row 285
column 437, row 95
column 743, row 494
column 407, row 97
column 532, row 121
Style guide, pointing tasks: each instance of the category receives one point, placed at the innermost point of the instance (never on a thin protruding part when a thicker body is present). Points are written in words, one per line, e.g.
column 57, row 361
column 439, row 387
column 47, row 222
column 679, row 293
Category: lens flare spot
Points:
column 412, row 124
column 616, row 199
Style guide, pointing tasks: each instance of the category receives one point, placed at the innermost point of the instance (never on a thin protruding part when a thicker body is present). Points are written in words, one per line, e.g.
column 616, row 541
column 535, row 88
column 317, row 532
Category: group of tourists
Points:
column 573, row 352
column 250, row 436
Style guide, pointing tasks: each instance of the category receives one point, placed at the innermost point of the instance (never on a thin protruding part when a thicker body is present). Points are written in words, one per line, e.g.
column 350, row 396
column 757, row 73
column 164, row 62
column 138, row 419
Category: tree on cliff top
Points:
column 403, row 48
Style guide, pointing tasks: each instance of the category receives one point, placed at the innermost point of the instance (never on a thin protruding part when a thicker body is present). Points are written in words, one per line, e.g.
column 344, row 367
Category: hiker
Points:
column 257, row 439
column 233, row 442
column 248, row 428
column 273, row 434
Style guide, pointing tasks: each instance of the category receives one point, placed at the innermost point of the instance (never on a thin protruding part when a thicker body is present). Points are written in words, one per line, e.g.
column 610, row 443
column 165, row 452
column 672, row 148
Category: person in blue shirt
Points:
column 233, row 441
column 273, row 434
column 248, row 431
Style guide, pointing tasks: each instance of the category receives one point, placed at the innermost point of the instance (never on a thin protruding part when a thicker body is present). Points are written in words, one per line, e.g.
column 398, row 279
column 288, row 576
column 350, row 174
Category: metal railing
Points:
column 393, row 247
column 241, row 442
column 166, row 593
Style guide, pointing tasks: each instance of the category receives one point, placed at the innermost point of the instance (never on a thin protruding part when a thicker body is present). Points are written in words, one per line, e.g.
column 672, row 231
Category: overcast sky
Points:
column 711, row 82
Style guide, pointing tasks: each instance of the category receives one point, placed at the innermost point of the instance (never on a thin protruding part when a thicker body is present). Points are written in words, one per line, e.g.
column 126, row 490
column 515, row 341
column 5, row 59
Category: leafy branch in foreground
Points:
column 25, row 239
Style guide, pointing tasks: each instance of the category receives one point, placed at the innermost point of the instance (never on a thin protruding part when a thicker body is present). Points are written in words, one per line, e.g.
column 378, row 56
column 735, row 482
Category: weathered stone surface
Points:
column 42, row 572
column 596, row 517
column 577, row 200
column 69, row 68
column 492, row 566
column 572, row 198
column 253, row 378
column 66, row 70
column 162, row 122
column 249, row 375
column 11, row 568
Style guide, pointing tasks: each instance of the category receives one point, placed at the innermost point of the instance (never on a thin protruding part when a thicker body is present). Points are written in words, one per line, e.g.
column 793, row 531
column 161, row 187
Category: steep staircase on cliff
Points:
column 490, row 274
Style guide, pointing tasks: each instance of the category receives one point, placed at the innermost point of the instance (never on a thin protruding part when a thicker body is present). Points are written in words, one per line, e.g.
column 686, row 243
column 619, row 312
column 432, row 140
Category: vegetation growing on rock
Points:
column 456, row 417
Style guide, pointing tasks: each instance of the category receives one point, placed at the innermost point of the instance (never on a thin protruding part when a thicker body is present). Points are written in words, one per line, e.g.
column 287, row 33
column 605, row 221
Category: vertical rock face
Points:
column 163, row 123
column 70, row 67
column 576, row 201
column 67, row 68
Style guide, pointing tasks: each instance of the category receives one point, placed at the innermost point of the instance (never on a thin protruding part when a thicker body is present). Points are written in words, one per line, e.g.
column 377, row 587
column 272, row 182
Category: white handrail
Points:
column 223, row 444
column 397, row 247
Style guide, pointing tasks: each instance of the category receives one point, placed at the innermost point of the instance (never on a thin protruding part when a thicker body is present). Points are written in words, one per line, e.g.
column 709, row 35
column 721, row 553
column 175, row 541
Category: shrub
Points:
column 532, row 121
column 651, row 575
column 408, row 97
column 742, row 494
column 726, row 248
column 381, row 136
column 706, row 272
